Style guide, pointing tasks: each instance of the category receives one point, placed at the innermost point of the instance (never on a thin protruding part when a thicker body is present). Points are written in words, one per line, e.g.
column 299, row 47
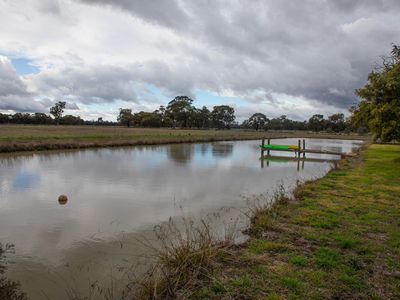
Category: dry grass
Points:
column 46, row 137
column 184, row 258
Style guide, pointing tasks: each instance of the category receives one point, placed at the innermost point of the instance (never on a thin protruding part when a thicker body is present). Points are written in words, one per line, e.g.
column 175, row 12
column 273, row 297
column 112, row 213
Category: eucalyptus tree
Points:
column 125, row 117
column 223, row 116
column 379, row 108
column 57, row 110
column 179, row 110
column 257, row 121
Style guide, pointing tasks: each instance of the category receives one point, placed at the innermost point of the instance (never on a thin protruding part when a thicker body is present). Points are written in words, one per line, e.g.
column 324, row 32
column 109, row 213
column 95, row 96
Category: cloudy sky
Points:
column 273, row 56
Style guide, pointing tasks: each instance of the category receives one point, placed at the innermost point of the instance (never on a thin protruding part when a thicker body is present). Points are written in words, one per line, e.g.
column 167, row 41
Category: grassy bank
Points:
column 44, row 137
column 339, row 238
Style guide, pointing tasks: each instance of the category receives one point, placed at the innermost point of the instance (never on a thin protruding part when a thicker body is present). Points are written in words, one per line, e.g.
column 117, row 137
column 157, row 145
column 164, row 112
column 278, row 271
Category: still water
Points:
column 115, row 198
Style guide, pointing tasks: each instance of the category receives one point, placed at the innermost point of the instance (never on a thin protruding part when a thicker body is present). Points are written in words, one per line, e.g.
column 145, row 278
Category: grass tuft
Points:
column 326, row 258
column 293, row 284
column 299, row 261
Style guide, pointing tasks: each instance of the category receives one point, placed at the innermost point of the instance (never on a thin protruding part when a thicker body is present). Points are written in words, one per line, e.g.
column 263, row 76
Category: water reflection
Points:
column 222, row 149
column 180, row 153
column 124, row 192
column 267, row 160
column 184, row 153
column 25, row 180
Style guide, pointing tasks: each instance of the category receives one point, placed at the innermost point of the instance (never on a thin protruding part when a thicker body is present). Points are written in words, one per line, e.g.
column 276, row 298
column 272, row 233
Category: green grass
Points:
column 47, row 137
column 261, row 246
column 340, row 240
column 327, row 258
column 292, row 284
column 299, row 260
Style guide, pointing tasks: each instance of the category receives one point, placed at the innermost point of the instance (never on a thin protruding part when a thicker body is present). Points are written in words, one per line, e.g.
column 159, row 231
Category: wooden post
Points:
column 304, row 148
column 262, row 148
column 269, row 143
column 299, row 145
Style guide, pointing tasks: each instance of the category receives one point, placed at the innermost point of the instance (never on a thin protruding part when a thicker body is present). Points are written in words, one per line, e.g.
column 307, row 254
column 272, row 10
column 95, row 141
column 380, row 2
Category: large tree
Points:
column 336, row 122
column 379, row 108
column 125, row 117
column 223, row 116
column 179, row 110
column 201, row 118
column 257, row 121
column 147, row 119
column 57, row 110
column 316, row 122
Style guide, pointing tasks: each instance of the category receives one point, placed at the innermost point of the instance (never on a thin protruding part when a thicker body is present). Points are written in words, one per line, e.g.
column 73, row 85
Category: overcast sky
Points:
column 278, row 57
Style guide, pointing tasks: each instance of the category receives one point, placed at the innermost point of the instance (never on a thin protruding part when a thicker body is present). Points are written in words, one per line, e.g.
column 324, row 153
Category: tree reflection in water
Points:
column 222, row 149
column 181, row 153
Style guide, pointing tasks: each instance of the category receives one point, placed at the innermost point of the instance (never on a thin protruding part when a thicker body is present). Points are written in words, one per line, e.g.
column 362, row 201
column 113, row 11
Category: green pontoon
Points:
column 280, row 147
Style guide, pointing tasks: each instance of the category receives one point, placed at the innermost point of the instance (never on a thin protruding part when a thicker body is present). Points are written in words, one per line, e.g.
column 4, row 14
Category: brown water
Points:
column 116, row 196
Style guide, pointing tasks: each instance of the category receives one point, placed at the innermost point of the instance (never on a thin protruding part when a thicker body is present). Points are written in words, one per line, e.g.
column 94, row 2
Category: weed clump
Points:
column 184, row 260
column 265, row 210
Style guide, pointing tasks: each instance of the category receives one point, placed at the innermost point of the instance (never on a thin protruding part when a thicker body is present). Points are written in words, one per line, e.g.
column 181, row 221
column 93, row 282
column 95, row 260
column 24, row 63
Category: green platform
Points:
column 279, row 147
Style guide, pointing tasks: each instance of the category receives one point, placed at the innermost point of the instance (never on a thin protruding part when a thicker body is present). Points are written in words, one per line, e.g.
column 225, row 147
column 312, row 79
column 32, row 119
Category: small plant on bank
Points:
column 184, row 260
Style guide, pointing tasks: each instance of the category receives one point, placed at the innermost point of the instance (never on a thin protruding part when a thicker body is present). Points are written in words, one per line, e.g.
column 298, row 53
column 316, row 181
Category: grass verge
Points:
column 339, row 238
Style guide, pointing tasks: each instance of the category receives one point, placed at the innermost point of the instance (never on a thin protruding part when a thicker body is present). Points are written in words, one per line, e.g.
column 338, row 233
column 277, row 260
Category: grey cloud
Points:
column 346, row 6
column 319, row 50
column 13, row 91
column 10, row 83
column 105, row 83
column 49, row 6
column 21, row 104
column 87, row 85
column 71, row 106
column 308, row 49
column 49, row 102
column 166, row 13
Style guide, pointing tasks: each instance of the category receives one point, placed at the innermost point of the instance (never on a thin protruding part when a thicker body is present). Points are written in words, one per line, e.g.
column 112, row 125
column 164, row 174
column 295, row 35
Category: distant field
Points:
column 47, row 137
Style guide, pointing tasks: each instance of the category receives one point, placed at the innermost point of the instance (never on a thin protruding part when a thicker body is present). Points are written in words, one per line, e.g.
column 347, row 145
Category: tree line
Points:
column 181, row 113
column 334, row 123
column 56, row 111
column 44, row 119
